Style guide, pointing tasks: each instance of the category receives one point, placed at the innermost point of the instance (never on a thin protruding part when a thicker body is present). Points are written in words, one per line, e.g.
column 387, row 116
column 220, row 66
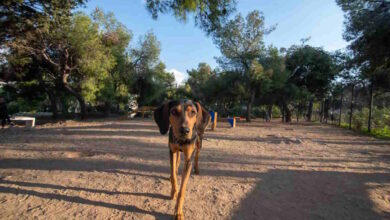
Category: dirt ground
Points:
column 119, row 169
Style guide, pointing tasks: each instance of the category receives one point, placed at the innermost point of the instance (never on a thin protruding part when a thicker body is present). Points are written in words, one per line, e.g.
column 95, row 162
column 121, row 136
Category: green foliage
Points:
column 241, row 43
column 208, row 14
column 19, row 17
column 199, row 81
column 258, row 111
column 151, row 82
column 116, row 37
column 95, row 59
column 381, row 132
column 367, row 28
column 276, row 112
column 312, row 69
column 380, row 124
column 24, row 105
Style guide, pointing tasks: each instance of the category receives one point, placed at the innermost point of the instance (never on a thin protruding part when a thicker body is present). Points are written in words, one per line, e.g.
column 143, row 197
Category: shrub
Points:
column 276, row 112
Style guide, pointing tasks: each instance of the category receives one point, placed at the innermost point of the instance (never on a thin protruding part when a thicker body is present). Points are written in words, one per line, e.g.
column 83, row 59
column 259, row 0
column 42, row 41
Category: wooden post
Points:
column 214, row 125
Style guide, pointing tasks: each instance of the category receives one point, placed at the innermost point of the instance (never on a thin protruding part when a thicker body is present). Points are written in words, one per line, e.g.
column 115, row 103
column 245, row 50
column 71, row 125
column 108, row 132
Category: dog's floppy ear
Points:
column 203, row 118
column 161, row 117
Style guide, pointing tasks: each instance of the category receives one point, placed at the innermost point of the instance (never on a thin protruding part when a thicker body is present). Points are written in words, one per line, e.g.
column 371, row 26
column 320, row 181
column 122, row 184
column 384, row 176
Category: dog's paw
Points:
column 179, row 216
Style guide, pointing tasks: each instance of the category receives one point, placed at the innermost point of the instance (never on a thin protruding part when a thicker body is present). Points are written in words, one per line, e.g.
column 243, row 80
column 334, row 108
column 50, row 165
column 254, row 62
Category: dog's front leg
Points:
column 173, row 157
column 177, row 161
column 197, row 152
column 185, row 176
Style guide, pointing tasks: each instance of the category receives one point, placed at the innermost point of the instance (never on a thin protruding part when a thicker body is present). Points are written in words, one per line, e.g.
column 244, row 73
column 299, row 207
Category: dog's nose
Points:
column 184, row 130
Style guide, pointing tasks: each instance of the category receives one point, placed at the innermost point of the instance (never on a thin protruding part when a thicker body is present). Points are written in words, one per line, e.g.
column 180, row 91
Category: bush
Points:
column 380, row 117
column 236, row 111
column 360, row 119
column 23, row 105
column 258, row 112
column 276, row 112
column 384, row 132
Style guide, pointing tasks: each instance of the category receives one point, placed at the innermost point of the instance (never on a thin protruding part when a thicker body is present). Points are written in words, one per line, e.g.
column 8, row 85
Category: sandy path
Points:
column 119, row 169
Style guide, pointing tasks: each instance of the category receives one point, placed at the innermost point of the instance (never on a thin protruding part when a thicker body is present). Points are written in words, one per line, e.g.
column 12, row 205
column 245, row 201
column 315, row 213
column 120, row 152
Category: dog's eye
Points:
column 193, row 113
column 174, row 112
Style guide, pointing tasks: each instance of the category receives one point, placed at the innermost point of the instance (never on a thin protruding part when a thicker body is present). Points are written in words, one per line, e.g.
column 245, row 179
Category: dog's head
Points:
column 184, row 116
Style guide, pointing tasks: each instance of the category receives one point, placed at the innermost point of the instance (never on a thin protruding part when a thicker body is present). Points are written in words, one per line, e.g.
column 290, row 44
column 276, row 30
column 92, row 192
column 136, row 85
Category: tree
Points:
column 71, row 52
column 117, row 38
column 208, row 14
column 151, row 81
column 241, row 43
column 198, row 80
column 273, row 61
column 20, row 17
column 367, row 28
column 312, row 69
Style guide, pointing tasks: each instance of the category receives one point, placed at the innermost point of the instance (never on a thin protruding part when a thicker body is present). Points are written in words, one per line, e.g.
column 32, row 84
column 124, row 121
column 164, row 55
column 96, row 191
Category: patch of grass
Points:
column 383, row 133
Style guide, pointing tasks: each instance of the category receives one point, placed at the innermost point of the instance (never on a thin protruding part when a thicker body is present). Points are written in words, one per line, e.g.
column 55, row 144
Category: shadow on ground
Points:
column 289, row 193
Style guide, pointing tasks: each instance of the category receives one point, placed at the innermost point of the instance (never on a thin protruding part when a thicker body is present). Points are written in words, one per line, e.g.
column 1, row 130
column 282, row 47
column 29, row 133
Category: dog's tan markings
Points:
column 190, row 118
column 175, row 119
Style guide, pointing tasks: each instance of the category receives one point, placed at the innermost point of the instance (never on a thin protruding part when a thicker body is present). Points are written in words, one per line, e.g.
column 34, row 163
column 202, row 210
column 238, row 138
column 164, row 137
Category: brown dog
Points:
column 186, row 121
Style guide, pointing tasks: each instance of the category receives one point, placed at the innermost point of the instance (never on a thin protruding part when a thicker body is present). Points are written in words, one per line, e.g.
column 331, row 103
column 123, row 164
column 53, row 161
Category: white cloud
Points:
column 180, row 77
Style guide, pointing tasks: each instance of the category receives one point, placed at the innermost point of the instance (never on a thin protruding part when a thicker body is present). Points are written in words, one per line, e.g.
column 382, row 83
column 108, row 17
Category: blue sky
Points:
column 184, row 46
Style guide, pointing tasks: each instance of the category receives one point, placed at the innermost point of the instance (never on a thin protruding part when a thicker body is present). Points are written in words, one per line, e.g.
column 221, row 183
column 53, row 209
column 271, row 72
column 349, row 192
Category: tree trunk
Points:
column 269, row 109
column 371, row 103
column 326, row 110
column 283, row 114
column 64, row 106
column 310, row 110
column 287, row 113
column 107, row 108
column 79, row 98
column 351, row 107
column 249, row 106
column 332, row 111
column 341, row 106
column 321, row 110
column 52, row 97
column 53, row 104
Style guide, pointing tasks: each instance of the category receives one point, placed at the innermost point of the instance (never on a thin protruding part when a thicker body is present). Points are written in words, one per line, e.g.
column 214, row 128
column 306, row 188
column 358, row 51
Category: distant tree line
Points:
column 68, row 58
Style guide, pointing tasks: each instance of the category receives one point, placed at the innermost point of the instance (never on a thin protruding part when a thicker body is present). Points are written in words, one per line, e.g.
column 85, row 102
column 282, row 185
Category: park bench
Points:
column 29, row 121
column 144, row 109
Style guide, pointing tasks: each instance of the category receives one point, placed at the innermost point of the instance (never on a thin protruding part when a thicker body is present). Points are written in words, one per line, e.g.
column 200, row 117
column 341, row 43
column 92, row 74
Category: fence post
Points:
column 341, row 106
column 351, row 107
column 371, row 103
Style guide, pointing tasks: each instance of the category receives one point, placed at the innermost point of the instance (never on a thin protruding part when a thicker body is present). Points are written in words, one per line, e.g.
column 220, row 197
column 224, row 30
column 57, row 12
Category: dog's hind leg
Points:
column 172, row 157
